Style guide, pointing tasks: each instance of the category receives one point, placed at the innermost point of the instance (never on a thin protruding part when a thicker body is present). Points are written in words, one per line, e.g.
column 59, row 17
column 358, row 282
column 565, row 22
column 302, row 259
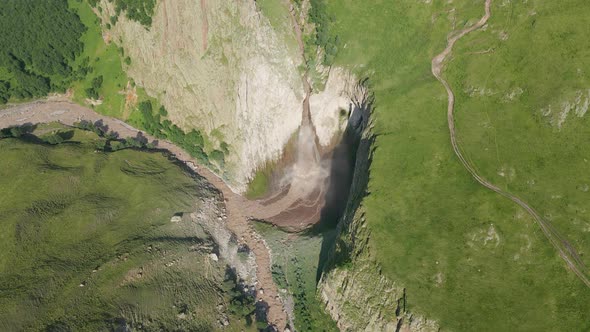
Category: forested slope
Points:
column 40, row 41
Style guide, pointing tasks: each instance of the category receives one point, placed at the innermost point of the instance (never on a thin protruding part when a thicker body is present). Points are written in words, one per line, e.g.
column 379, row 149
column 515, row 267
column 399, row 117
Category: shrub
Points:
column 323, row 37
column 192, row 142
column 91, row 93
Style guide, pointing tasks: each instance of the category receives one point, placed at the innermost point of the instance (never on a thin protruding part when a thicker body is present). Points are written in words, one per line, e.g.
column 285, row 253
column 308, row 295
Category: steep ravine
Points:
column 221, row 68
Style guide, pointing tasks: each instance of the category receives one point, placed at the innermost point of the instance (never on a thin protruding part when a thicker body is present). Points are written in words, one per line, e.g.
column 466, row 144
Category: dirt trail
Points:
column 239, row 209
column 564, row 248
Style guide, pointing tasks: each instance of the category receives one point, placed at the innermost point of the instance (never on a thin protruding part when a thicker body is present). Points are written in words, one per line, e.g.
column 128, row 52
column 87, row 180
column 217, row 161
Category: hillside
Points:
column 466, row 257
column 88, row 242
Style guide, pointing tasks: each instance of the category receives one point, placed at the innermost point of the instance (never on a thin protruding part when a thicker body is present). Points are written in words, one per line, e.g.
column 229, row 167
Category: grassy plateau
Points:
column 86, row 242
column 469, row 258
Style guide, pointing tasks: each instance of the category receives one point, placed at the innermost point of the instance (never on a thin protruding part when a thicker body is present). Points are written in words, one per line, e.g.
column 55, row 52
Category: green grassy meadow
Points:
column 506, row 130
column 295, row 264
column 107, row 61
column 469, row 258
column 86, row 242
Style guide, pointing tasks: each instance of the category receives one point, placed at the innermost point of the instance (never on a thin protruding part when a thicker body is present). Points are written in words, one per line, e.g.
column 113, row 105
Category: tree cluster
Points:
column 137, row 10
column 301, row 307
column 242, row 302
column 92, row 91
column 323, row 37
column 111, row 140
column 40, row 42
column 17, row 131
column 192, row 142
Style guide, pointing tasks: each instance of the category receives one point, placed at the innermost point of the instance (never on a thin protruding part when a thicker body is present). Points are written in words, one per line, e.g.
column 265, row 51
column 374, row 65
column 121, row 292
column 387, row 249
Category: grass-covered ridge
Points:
column 86, row 241
column 468, row 258
column 117, row 93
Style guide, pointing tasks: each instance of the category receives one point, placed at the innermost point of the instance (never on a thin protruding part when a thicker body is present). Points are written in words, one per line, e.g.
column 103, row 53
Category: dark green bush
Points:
column 192, row 142
column 323, row 37
column 138, row 10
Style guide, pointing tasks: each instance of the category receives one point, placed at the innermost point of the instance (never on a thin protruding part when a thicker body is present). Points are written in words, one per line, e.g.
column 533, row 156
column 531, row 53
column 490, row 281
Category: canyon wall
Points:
column 355, row 293
column 218, row 66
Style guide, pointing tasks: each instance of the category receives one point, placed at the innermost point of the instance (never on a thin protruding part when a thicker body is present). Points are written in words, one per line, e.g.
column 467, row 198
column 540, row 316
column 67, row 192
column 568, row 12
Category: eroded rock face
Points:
column 219, row 66
column 332, row 105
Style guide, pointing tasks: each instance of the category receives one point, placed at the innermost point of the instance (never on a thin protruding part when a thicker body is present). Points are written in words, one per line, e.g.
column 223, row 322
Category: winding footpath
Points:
column 563, row 247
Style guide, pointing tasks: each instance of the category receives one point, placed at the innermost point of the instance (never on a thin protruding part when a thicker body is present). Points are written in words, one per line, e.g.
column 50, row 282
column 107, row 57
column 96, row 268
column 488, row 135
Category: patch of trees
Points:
column 96, row 84
column 58, row 136
column 111, row 141
column 26, row 131
column 278, row 275
column 137, row 10
column 17, row 131
column 192, row 142
column 100, row 129
column 242, row 301
column 301, row 308
column 4, row 92
column 40, row 42
column 323, row 36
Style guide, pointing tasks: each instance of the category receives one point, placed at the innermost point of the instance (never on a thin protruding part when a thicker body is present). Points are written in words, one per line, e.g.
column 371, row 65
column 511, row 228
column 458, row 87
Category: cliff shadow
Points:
column 348, row 175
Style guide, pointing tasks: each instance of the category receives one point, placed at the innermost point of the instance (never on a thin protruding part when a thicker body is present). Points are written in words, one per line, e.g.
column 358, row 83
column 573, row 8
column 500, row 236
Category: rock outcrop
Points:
column 220, row 67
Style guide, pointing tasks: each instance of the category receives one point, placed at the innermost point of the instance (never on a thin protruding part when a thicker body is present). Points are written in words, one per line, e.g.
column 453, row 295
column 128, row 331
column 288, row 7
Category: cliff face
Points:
column 220, row 67
column 355, row 293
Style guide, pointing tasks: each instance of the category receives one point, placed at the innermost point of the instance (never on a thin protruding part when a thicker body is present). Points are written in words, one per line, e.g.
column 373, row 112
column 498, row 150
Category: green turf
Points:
column 71, row 216
column 105, row 60
column 259, row 185
column 429, row 220
column 295, row 264
column 503, row 129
